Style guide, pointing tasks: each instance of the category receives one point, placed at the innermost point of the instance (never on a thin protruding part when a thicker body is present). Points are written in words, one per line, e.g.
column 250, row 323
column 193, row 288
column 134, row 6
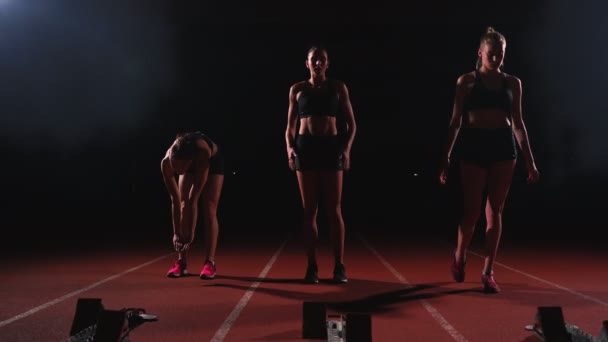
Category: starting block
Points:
column 93, row 323
column 550, row 326
column 319, row 324
column 85, row 316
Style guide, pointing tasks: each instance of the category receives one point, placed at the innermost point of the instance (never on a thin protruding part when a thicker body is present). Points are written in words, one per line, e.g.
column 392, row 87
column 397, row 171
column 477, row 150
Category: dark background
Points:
column 93, row 93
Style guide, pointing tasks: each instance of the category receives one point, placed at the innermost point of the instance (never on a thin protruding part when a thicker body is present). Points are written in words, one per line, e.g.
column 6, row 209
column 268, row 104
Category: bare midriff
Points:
column 318, row 125
column 490, row 118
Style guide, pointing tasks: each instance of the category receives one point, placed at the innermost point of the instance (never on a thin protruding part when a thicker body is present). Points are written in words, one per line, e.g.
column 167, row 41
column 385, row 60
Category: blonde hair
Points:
column 490, row 36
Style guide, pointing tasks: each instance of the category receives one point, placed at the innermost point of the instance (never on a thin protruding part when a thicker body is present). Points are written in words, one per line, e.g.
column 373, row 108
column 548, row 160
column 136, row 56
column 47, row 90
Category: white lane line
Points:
column 234, row 315
column 427, row 306
column 77, row 292
column 563, row 288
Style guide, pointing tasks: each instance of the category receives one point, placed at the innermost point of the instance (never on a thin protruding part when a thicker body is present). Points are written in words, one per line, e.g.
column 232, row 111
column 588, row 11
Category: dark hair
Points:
column 184, row 146
column 316, row 47
column 490, row 36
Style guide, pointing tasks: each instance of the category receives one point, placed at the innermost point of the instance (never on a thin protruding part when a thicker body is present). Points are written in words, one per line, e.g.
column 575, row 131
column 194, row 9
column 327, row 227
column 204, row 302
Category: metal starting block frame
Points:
column 93, row 323
column 550, row 326
column 319, row 324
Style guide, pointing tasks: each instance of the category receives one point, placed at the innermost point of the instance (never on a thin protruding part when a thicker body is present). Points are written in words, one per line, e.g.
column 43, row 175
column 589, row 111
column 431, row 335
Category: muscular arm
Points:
column 349, row 116
column 454, row 125
column 171, row 185
column 292, row 117
column 456, row 118
column 519, row 128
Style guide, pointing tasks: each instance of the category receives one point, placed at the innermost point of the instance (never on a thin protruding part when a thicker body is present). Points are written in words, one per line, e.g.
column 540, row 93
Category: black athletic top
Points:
column 322, row 101
column 480, row 97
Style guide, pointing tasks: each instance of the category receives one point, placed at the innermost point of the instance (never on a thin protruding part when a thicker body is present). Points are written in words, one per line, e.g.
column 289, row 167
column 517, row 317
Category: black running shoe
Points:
column 340, row 273
column 311, row 276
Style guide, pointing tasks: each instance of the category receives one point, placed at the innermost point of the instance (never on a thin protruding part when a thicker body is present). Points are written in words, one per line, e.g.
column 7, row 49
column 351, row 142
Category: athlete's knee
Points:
column 310, row 210
column 189, row 203
column 210, row 207
column 494, row 216
column 494, row 211
column 334, row 212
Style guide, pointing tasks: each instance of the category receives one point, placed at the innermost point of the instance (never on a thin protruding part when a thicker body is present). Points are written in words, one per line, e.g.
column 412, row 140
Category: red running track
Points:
column 257, row 295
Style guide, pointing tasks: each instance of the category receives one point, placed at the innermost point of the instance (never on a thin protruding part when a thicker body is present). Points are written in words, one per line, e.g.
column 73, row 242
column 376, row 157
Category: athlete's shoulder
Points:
column 466, row 78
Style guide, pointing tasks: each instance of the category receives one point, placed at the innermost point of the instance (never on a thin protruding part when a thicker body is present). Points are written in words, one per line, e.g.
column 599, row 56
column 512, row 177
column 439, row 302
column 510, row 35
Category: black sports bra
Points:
column 480, row 97
column 323, row 101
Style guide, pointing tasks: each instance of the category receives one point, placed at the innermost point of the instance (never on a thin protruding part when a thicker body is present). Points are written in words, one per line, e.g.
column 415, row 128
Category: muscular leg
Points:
column 500, row 175
column 210, row 199
column 309, row 190
column 473, row 182
column 185, row 187
column 331, row 185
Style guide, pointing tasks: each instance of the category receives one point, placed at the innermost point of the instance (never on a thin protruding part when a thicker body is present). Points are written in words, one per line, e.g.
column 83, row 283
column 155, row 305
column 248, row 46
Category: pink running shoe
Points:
column 457, row 270
column 178, row 270
column 489, row 284
column 208, row 271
